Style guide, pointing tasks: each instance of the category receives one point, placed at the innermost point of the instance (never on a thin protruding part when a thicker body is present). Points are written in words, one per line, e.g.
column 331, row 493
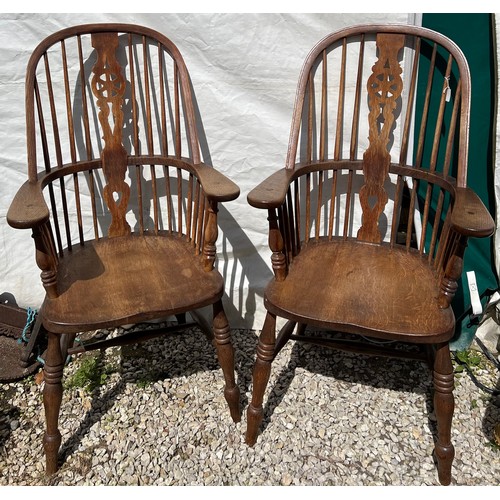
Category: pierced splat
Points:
column 335, row 285
column 162, row 267
column 384, row 88
column 108, row 85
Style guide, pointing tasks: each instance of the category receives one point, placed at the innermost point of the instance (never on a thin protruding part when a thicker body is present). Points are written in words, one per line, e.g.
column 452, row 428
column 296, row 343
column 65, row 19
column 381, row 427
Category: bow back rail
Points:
column 358, row 34
column 112, row 139
column 378, row 146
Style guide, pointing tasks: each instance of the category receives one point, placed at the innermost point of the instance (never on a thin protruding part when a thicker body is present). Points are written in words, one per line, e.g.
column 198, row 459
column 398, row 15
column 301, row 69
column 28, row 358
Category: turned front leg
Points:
column 444, row 405
column 261, row 373
column 225, row 354
column 52, row 397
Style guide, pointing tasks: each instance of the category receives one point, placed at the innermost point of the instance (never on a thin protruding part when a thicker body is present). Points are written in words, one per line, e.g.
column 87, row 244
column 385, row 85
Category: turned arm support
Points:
column 276, row 244
column 217, row 188
column 452, row 269
column 271, row 194
column 211, row 235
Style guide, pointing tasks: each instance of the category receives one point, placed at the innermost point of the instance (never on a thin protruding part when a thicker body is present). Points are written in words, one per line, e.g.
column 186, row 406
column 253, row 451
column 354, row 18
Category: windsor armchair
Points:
column 122, row 209
column 368, row 232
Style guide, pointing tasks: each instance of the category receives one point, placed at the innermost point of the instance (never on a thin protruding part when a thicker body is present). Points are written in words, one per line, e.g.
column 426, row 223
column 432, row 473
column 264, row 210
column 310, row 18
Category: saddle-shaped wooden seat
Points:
column 396, row 297
column 112, row 279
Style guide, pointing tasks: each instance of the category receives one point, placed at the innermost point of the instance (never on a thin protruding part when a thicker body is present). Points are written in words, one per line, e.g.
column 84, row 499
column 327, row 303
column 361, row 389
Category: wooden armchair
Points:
column 368, row 236
column 122, row 209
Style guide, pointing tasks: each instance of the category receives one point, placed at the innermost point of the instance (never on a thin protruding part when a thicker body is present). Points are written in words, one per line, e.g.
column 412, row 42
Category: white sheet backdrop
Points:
column 244, row 69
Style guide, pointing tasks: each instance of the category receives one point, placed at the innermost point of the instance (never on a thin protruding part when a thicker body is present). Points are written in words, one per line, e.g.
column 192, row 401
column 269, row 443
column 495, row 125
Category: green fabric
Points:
column 473, row 33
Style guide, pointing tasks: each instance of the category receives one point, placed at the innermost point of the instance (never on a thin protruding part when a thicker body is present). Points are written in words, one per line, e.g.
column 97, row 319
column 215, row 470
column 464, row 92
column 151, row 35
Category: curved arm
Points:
column 271, row 192
column 469, row 216
column 28, row 208
column 216, row 186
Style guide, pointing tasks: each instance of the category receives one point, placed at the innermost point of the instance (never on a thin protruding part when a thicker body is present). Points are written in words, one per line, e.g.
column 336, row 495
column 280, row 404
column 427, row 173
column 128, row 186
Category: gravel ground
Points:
column 156, row 415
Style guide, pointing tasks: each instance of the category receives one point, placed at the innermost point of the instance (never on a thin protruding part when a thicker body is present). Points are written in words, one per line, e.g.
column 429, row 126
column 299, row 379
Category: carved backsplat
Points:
column 384, row 88
column 108, row 85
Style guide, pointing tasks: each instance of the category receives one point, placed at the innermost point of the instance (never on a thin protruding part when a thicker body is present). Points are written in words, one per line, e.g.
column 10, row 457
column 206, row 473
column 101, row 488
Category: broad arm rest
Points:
column 217, row 186
column 28, row 208
column 470, row 217
column 271, row 192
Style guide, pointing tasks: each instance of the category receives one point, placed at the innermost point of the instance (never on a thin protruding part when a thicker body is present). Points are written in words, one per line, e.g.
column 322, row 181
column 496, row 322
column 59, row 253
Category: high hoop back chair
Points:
column 122, row 209
column 369, row 218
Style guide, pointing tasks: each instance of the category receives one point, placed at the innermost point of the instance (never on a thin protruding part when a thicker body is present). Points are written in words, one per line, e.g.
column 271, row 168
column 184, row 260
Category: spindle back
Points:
column 379, row 128
column 111, row 128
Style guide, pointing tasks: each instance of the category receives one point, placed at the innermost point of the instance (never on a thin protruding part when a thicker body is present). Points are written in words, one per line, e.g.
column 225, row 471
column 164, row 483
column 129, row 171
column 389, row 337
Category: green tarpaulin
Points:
column 473, row 33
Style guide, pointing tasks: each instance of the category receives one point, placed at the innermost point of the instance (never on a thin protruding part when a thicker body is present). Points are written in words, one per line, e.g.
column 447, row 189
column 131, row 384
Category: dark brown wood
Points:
column 356, row 112
column 340, row 110
column 443, row 406
column 46, row 258
column 108, row 86
column 225, row 353
column 469, row 217
column 286, row 333
column 452, row 272
column 324, row 105
column 384, row 88
column 261, row 374
column 403, row 158
column 276, row 245
column 52, row 398
column 104, row 134
column 129, row 338
column 331, row 285
column 365, row 347
column 371, row 280
column 211, row 232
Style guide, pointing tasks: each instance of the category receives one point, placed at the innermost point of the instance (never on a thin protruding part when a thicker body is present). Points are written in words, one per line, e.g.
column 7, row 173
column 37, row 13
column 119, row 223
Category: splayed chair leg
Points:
column 443, row 406
column 225, row 353
column 52, row 397
column 261, row 373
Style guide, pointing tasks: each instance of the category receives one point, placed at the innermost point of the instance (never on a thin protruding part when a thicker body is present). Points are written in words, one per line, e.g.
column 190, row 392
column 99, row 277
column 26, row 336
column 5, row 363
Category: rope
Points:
column 28, row 327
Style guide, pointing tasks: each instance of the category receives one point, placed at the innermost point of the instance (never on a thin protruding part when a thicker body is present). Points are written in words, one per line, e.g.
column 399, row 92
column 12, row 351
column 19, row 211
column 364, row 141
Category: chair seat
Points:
column 393, row 297
column 163, row 277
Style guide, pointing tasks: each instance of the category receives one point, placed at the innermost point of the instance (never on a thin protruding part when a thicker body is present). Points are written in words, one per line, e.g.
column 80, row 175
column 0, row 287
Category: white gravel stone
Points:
column 330, row 418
